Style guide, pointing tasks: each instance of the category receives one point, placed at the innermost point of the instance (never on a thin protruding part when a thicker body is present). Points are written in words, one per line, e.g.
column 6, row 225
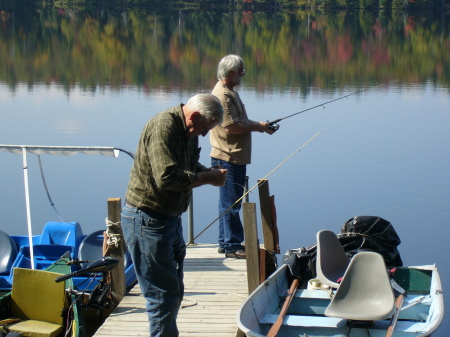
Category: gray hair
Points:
column 208, row 105
column 228, row 63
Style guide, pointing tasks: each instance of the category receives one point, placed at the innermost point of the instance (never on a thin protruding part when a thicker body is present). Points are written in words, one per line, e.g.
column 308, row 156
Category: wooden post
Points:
column 268, row 266
column 251, row 245
column 266, row 215
column 118, row 273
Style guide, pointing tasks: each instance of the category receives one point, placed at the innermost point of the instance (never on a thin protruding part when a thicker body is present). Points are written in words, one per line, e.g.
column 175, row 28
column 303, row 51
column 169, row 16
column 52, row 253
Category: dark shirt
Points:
column 165, row 164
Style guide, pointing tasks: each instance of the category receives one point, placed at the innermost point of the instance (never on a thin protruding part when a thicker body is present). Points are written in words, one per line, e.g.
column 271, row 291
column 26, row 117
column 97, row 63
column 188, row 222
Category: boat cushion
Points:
column 32, row 328
column 35, row 295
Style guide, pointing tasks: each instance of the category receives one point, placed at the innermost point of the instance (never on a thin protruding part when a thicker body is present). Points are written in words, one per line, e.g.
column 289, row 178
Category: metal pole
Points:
column 191, row 222
column 27, row 201
column 246, row 189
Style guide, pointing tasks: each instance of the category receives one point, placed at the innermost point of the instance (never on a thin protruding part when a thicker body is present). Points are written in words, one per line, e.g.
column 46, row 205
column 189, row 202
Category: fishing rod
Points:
column 274, row 126
column 257, row 184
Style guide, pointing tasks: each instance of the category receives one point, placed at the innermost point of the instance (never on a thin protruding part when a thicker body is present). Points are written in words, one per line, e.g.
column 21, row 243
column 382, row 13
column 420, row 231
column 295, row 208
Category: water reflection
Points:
column 179, row 51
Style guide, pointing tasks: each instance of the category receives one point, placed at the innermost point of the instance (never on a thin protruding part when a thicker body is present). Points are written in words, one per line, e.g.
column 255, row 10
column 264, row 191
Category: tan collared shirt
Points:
column 233, row 148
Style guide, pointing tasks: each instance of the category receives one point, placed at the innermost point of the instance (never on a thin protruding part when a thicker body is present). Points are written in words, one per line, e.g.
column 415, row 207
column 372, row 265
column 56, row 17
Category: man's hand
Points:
column 265, row 127
column 211, row 176
column 218, row 176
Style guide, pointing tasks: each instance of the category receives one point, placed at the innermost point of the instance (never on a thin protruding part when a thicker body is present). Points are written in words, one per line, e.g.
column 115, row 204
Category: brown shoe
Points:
column 237, row 254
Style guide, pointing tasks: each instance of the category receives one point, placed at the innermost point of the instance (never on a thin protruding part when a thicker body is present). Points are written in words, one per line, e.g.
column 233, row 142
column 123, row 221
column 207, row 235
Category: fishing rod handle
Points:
column 274, row 126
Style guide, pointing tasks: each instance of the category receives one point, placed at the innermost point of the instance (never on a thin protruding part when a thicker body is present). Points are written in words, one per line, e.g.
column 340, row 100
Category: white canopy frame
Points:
column 52, row 150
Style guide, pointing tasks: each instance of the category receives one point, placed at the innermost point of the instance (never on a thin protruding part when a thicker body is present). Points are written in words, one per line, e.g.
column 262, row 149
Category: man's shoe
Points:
column 221, row 250
column 237, row 254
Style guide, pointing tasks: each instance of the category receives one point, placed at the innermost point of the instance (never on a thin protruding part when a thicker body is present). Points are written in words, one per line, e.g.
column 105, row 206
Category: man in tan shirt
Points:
column 231, row 149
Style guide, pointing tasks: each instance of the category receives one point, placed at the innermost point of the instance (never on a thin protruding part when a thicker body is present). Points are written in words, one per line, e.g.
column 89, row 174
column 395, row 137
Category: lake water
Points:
column 91, row 80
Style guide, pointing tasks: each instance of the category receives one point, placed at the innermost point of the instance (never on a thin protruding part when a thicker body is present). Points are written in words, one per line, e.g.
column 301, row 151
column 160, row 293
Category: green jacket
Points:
column 165, row 164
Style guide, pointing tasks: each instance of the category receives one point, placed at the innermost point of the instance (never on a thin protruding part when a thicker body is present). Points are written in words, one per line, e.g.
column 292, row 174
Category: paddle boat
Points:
column 38, row 252
column 56, row 239
column 44, row 302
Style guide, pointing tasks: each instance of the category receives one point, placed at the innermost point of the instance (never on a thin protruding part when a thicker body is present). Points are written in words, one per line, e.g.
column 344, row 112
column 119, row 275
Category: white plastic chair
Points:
column 365, row 293
column 332, row 262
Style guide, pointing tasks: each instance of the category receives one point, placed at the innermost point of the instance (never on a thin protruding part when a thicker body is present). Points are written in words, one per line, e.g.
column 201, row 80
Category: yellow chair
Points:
column 39, row 302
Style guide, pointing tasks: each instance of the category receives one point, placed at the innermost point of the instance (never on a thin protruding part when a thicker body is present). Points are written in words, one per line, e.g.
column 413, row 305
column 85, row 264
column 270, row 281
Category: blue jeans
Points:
column 158, row 249
column 231, row 232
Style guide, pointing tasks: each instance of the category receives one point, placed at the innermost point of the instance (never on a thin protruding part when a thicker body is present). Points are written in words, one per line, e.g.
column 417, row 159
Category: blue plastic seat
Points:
column 8, row 252
column 91, row 248
column 62, row 233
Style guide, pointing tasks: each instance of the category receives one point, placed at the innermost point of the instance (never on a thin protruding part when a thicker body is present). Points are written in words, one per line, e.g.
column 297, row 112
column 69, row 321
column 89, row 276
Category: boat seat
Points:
column 8, row 252
column 38, row 301
column 365, row 293
column 332, row 262
column 62, row 233
column 91, row 248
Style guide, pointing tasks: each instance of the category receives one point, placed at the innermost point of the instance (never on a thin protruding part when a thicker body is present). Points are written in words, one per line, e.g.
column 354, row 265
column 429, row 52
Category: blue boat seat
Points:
column 365, row 293
column 332, row 261
column 8, row 252
column 62, row 233
column 44, row 256
column 91, row 248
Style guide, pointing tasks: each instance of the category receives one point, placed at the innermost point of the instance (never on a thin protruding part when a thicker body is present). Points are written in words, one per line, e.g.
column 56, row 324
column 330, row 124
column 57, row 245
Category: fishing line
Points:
column 274, row 124
column 256, row 185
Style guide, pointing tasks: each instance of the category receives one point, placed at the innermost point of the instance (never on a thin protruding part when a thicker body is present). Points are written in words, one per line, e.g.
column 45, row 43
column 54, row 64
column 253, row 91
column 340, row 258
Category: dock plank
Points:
column 215, row 288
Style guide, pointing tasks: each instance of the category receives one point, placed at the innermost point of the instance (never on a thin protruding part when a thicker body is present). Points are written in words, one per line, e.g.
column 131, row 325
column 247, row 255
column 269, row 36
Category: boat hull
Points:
column 421, row 313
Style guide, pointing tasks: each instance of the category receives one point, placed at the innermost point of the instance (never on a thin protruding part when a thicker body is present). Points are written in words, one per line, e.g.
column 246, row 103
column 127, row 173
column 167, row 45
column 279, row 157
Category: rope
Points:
column 188, row 305
column 114, row 234
column 367, row 236
column 239, row 295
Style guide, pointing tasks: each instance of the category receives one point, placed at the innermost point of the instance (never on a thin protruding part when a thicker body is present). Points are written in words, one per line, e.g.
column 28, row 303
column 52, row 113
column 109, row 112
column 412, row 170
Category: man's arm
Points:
column 250, row 126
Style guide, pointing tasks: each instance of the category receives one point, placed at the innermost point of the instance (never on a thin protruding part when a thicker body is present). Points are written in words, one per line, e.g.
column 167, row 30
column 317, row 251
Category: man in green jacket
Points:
column 165, row 170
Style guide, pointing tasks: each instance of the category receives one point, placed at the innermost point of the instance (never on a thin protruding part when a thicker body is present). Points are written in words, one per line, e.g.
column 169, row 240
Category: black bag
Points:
column 371, row 233
column 301, row 263
column 360, row 233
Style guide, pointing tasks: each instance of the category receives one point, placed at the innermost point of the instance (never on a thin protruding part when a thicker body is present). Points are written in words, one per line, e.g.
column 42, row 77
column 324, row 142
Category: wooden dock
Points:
column 215, row 288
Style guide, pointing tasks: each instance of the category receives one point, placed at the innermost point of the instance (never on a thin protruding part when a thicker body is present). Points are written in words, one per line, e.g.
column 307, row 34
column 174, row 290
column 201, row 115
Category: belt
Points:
column 150, row 211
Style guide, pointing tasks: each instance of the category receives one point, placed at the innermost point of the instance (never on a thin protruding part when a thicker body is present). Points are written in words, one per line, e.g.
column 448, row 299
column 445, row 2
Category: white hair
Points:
column 228, row 63
column 208, row 105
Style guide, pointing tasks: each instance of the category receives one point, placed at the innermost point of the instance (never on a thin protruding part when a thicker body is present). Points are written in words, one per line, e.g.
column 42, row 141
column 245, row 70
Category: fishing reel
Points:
column 273, row 126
